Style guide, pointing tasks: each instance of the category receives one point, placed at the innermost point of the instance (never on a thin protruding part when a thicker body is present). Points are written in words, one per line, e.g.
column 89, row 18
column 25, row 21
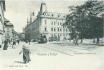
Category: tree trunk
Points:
column 94, row 37
column 97, row 40
column 94, row 40
column 81, row 36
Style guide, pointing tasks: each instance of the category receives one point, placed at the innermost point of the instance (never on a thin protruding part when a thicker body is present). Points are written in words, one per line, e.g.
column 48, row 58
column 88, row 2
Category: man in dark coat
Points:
column 5, row 44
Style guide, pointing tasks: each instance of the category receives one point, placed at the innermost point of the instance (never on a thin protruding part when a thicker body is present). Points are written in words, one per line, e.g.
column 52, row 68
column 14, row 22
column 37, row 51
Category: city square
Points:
column 51, row 35
column 55, row 56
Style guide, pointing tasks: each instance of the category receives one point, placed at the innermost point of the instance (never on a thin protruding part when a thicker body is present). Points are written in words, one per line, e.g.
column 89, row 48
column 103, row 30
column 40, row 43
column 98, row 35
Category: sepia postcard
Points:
column 51, row 35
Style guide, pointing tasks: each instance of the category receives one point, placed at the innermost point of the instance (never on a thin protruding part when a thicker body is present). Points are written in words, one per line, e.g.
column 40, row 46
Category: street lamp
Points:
column 0, row 17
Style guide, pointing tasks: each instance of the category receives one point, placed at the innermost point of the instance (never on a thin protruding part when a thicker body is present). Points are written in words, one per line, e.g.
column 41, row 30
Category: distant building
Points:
column 22, row 35
column 10, row 33
column 2, row 9
column 15, row 34
column 8, row 29
column 48, row 24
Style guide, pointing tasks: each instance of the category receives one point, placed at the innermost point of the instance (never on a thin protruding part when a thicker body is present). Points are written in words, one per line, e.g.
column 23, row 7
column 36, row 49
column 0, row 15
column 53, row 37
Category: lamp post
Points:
column 29, row 38
column 0, row 17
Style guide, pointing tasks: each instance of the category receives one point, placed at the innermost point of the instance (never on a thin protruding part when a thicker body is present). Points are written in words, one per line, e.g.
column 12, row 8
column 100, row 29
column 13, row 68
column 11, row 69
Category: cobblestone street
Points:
column 54, row 56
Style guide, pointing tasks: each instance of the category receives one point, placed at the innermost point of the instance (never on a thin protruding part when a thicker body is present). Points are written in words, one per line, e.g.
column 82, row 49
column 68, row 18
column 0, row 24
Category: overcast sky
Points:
column 18, row 11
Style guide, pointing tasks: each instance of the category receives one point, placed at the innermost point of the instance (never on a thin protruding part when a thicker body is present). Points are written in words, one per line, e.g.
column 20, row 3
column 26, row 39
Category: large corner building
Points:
column 48, row 24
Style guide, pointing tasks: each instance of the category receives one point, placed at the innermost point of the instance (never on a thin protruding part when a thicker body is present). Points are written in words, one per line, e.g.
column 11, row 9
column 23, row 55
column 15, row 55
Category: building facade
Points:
column 47, row 23
column 8, row 29
column 15, row 34
column 22, row 35
column 10, row 33
column 2, row 9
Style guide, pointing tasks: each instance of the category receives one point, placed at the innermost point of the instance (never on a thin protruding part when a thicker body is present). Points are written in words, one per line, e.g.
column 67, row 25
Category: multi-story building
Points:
column 22, row 35
column 10, row 33
column 2, row 9
column 15, row 34
column 48, row 24
column 8, row 29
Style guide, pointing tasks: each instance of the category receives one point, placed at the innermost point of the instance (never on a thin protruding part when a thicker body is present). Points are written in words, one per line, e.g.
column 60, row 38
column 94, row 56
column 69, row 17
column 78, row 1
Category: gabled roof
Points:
column 15, row 31
column 6, row 20
column 9, row 23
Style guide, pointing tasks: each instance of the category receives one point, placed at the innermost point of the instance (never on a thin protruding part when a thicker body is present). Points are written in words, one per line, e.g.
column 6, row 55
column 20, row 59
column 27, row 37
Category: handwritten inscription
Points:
column 47, row 54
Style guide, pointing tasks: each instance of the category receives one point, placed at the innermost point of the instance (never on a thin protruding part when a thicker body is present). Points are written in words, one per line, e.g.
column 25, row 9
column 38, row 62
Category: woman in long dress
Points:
column 14, row 44
column 26, row 52
column 5, row 44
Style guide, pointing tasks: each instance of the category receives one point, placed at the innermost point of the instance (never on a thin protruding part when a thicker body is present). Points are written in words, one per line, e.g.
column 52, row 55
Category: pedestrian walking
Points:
column 14, row 43
column 26, row 52
column 5, row 45
column 9, row 43
column 18, row 41
column 76, row 40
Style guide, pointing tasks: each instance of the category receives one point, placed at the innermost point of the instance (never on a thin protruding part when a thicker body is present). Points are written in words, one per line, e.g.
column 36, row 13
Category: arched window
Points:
column 51, row 29
column 58, row 29
column 54, row 29
column 52, row 15
column 64, row 16
column 45, row 29
column 60, row 23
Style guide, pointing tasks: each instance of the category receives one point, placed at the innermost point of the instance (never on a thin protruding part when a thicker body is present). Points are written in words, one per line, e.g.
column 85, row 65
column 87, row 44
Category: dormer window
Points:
column 52, row 15
column 64, row 16
column 44, row 13
column 60, row 23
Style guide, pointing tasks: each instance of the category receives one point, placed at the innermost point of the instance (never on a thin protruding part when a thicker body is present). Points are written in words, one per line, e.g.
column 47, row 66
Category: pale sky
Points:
column 17, row 12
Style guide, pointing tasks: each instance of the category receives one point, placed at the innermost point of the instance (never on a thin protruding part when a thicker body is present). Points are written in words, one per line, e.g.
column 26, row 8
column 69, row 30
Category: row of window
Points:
column 58, row 29
column 52, row 14
column 58, row 16
column 54, row 23
column 59, row 35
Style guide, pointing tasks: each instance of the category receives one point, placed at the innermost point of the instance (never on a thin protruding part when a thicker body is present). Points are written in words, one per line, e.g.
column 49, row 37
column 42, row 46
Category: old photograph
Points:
column 51, row 35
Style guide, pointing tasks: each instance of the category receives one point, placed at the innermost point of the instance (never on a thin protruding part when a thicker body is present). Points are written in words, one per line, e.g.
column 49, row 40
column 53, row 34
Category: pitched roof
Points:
column 9, row 23
column 6, row 20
